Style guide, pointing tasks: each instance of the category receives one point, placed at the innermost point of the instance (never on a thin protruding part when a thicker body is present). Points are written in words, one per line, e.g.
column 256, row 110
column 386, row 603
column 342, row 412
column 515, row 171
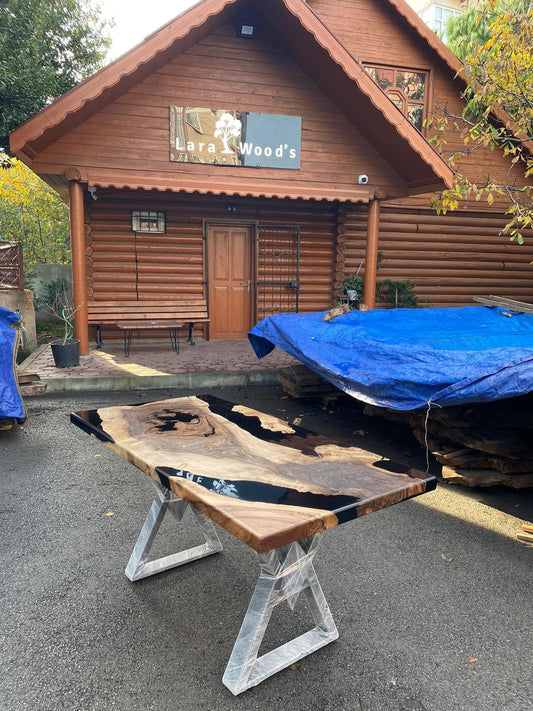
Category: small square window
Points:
column 148, row 221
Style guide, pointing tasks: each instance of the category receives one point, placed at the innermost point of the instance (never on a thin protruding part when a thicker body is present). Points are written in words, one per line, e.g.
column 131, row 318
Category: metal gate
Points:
column 277, row 270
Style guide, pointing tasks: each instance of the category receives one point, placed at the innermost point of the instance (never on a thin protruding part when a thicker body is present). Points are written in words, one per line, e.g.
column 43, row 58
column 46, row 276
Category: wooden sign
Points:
column 242, row 138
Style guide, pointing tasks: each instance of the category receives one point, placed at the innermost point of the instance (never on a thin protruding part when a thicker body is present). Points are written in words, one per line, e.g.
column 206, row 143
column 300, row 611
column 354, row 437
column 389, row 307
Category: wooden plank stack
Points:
column 30, row 383
column 300, row 382
column 511, row 304
column 480, row 444
column 6, row 423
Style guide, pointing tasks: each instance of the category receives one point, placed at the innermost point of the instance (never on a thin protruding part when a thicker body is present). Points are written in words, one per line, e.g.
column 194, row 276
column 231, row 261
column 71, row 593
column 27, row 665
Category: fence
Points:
column 11, row 266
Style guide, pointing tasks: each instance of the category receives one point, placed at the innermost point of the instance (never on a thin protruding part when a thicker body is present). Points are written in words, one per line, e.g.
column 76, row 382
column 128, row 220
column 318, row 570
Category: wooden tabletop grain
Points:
column 265, row 481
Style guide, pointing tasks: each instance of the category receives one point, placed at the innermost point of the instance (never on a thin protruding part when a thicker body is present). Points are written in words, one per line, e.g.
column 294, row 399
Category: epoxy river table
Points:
column 274, row 486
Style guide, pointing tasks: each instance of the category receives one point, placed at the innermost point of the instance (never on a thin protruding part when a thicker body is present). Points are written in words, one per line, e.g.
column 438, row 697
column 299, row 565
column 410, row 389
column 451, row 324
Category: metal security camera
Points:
column 362, row 179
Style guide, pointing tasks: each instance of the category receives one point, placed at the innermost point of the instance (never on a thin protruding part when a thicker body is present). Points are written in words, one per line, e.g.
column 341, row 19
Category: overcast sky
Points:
column 136, row 19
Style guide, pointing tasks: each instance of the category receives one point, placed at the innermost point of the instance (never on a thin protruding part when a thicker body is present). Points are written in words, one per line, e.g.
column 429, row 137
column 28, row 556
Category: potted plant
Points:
column 352, row 290
column 58, row 302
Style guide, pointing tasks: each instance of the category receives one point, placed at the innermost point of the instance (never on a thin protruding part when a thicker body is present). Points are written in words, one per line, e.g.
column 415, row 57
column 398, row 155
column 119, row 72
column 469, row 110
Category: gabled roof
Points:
column 119, row 76
column 303, row 36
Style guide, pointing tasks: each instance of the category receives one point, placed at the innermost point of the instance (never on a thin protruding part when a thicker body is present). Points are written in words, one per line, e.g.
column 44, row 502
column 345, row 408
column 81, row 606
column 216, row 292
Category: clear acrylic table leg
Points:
column 285, row 573
column 139, row 566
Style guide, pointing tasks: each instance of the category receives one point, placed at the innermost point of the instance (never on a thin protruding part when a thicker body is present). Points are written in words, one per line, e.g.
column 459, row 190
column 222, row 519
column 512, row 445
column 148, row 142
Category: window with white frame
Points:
column 438, row 19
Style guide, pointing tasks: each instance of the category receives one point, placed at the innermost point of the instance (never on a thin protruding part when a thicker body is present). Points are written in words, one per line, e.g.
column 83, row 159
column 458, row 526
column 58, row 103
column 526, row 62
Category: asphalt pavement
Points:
column 432, row 597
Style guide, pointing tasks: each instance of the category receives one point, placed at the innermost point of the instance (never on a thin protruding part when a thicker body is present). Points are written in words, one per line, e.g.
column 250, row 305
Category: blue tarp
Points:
column 10, row 400
column 406, row 358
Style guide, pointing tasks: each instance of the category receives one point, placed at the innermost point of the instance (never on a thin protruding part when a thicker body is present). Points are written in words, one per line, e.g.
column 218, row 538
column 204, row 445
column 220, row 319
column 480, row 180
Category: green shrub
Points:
column 399, row 294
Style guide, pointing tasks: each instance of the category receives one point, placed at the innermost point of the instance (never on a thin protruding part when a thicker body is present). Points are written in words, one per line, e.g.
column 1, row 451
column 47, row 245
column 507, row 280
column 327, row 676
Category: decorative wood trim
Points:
column 73, row 173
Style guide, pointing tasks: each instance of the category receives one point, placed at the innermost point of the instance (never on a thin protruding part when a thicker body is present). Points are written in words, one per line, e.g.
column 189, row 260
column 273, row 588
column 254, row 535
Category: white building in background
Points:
column 437, row 14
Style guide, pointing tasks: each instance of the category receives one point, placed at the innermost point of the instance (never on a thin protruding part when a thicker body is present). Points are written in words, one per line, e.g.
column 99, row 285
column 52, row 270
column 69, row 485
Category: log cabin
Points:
column 255, row 154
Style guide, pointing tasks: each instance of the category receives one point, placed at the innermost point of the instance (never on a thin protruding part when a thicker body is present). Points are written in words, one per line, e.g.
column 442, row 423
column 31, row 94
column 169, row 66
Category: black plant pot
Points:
column 67, row 354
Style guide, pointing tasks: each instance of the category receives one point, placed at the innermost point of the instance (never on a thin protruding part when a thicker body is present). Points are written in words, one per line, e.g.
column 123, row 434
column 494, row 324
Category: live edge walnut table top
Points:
column 265, row 481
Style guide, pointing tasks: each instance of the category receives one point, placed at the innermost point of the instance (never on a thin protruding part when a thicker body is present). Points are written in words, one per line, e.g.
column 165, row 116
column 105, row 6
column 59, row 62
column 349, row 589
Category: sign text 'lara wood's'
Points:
column 220, row 137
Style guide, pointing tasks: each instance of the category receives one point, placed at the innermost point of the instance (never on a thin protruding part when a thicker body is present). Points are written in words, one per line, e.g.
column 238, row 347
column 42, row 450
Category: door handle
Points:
column 248, row 285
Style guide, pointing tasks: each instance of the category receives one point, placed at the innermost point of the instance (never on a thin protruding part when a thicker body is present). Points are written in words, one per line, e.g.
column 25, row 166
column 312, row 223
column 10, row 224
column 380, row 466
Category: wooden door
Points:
column 230, row 249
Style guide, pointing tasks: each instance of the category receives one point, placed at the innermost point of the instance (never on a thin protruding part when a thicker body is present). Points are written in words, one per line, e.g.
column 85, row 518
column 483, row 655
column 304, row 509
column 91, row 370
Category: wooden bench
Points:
column 137, row 315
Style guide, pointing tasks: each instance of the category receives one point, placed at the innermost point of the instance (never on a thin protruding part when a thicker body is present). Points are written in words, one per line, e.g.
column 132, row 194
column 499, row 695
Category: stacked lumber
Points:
column 510, row 304
column 6, row 423
column 480, row 444
column 30, row 384
column 300, row 382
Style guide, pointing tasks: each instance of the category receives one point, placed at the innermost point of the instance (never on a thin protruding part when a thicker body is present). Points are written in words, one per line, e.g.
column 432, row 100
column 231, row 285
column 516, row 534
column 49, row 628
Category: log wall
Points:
column 125, row 265
column 450, row 258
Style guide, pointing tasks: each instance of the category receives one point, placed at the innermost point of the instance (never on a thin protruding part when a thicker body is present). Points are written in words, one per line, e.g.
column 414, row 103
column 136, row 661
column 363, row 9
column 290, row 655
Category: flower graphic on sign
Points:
column 227, row 127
